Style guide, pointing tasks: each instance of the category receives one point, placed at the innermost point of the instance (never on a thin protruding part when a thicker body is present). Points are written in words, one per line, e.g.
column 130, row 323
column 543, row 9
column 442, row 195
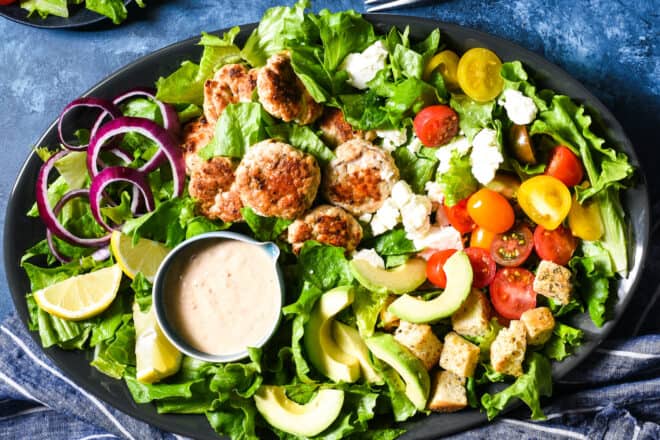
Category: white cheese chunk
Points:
column 416, row 216
column 392, row 138
column 459, row 144
column 363, row 67
column 370, row 256
column 415, row 145
column 434, row 192
column 438, row 238
column 519, row 108
column 386, row 218
column 401, row 193
column 486, row 156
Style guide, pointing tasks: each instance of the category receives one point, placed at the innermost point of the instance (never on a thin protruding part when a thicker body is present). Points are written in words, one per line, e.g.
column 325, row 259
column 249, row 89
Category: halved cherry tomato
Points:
column 6, row 2
column 565, row 166
column 479, row 74
column 511, row 292
column 584, row 220
column 436, row 125
column 483, row 267
column 545, row 200
column 490, row 210
column 482, row 238
column 458, row 217
column 446, row 63
column 521, row 144
column 557, row 245
column 434, row 267
column 513, row 247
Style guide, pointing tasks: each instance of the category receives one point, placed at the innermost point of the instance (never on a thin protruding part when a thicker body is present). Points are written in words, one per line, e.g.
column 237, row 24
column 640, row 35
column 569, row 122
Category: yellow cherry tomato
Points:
column 545, row 200
column 482, row 238
column 584, row 220
column 479, row 74
column 446, row 63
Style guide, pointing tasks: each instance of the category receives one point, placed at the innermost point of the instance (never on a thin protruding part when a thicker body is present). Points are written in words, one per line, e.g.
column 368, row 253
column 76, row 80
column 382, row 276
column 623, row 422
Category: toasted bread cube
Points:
column 553, row 281
column 447, row 393
column 459, row 355
column 472, row 319
column 508, row 349
column 421, row 341
column 539, row 324
column 388, row 320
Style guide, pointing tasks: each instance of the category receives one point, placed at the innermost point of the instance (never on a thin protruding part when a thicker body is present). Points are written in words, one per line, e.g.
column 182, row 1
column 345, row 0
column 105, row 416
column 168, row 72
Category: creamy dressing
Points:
column 223, row 296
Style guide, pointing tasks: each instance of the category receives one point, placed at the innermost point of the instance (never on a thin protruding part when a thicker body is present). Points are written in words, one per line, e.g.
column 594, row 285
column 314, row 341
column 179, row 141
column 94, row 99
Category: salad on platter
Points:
column 115, row 10
column 439, row 218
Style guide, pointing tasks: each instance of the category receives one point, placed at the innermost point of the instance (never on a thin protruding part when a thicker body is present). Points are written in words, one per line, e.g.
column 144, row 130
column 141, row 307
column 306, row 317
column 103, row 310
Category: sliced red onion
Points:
column 163, row 138
column 102, row 254
column 53, row 249
column 47, row 213
column 107, row 108
column 117, row 174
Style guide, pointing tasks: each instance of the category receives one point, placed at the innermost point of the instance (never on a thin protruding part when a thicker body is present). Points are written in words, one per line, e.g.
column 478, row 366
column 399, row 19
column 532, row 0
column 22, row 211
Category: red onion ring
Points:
column 163, row 138
column 117, row 174
column 107, row 107
column 47, row 213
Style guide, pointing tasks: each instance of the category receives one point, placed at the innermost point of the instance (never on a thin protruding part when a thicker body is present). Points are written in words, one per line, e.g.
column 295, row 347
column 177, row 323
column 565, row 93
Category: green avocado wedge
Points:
column 459, row 283
column 350, row 341
column 320, row 346
column 305, row 420
column 402, row 279
column 410, row 368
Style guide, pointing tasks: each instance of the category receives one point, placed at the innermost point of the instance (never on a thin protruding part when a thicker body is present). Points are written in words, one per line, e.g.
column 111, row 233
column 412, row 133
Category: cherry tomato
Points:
column 511, row 292
column 479, row 74
column 557, row 245
column 565, row 166
column 482, row 238
column 545, row 200
column 458, row 217
column 436, row 125
column 490, row 210
column 584, row 220
column 513, row 247
column 6, row 2
column 483, row 267
column 521, row 144
column 434, row 267
column 446, row 63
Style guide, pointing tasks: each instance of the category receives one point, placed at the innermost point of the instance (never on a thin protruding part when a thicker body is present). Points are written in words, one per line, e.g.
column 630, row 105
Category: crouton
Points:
column 539, row 324
column 472, row 319
column 553, row 281
column 448, row 392
column 459, row 355
column 421, row 341
column 508, row 349
column 388, row 320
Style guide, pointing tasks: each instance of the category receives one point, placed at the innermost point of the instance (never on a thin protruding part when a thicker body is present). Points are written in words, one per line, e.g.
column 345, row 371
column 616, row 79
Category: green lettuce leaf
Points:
column 142, row 288
column 563, row 341
column 46, row 7
column 167, row 223
column 115, row 10
column 530, row 387
column 240, row 126
column 113, row 357
column 394, row 242
column 181, row 86
column 303, row 138
column 367, row 306
column 264, row 228
column 458, row 182
column 218, row 51
column 473, row 116
column 614, row 238
column 414, row 168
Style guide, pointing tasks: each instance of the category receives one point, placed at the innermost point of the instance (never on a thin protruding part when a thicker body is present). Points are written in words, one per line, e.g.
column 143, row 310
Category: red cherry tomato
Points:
column 6, row 2
column 565, row 166
column 513, row 247
column 511, row 292
column 434, row 267
column 459, row 218
column 557, row 245
column 436, row 125
column 483, row 267
column 491, row 210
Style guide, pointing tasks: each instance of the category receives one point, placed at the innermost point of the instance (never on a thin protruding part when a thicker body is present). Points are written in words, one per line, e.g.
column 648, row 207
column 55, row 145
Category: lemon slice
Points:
column 145, row 256
column 82, row 296
column 155, row 357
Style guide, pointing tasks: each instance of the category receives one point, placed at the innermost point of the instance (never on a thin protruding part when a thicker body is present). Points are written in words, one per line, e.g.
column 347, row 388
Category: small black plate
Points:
column 22, row 232
column 78, row 17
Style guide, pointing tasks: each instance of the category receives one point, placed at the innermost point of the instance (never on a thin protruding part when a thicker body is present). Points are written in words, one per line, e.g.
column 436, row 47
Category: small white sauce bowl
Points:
column 160, row 291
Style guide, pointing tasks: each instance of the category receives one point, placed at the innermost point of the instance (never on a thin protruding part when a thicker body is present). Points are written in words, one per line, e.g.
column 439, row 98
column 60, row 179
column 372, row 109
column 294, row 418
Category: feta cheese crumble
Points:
column 438, row 237
column 415, row 145
column 434, row 192
column 392, row 138
column 486, row 156
column 519, row 108
column 416, row 216
column 363, row 67
column 460, row 144
column 386, row 218
column 401, row 193
column 370, row 256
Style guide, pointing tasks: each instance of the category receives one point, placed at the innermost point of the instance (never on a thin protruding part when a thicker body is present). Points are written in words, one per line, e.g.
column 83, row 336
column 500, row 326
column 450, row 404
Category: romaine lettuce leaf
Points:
column 303, row 138
column 113, row 357
column 181, row 86
column 414, row 168
column 167, row 223
column 458, row 182
column 472, row 115
column 615, row 237
column 394, row 242
column 239, row 127
column 264, row 228
column 115, row 10
column 218, row 51
column 44, row 8
column 563, row 341
column 367, row 306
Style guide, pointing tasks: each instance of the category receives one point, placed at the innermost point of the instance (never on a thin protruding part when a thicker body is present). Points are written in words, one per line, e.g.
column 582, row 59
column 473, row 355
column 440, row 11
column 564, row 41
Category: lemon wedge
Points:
column 145, row 256
column 81, row 296
column 155, row 357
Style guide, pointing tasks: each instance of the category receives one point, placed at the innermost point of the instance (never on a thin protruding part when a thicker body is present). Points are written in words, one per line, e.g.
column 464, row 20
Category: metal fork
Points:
column 383, row 5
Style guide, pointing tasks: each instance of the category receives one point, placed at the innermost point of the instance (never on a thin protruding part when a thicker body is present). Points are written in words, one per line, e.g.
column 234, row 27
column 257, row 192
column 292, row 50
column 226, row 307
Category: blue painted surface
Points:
column 612, row 48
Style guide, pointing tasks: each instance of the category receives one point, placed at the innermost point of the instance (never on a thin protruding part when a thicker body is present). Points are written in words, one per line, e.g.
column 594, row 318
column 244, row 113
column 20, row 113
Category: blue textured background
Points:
column 610, row 47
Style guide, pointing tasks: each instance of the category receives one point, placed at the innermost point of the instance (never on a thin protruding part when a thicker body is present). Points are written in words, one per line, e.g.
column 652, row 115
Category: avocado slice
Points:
column 305, row 420
column 402, row 279
column 410, row 368
column 459, row 283
column 323, row 351
column 350, row 341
